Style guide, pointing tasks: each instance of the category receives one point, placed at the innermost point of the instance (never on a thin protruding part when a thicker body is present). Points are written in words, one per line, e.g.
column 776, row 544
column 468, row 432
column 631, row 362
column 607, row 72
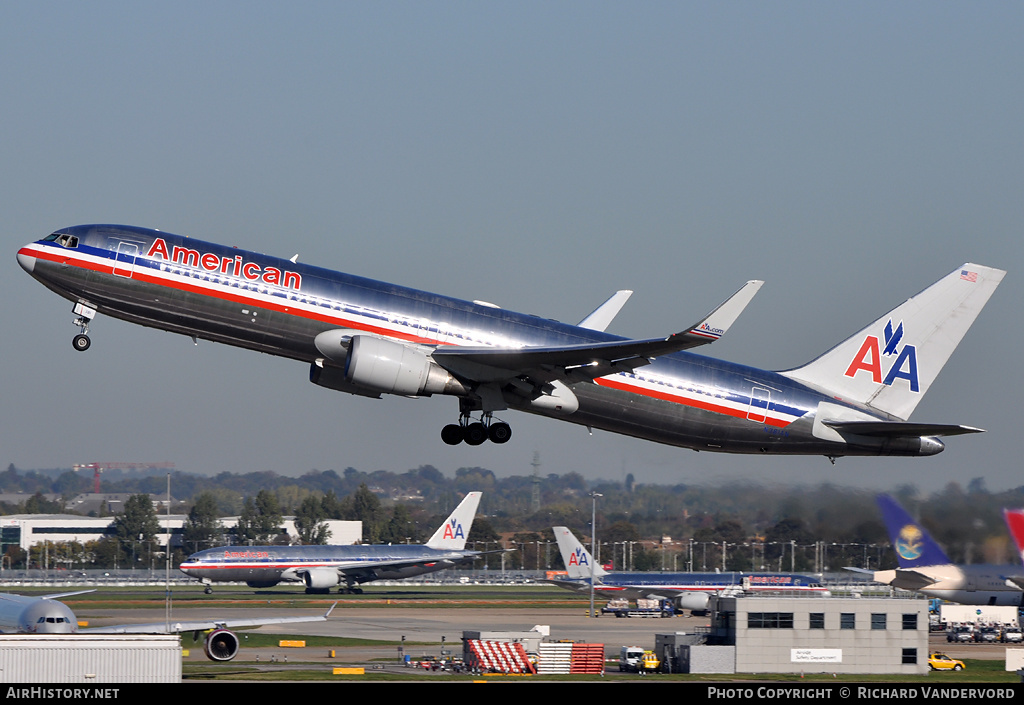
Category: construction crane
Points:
column 97, row 468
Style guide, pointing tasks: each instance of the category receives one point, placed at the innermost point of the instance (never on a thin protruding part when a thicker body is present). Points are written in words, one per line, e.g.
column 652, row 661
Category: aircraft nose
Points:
column 27, row 261
column 932, row 446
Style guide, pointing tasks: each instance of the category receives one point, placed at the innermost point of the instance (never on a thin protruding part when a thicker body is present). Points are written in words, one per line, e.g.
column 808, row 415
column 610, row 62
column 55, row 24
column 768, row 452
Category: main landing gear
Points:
column 476, row 432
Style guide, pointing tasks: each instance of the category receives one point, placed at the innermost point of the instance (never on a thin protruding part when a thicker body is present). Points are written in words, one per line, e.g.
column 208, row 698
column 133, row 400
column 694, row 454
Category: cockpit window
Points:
column 63, row 239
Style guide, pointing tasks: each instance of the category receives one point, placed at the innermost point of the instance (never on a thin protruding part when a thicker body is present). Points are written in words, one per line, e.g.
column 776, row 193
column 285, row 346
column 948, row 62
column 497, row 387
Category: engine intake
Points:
column 320, row 578
column 221, row 645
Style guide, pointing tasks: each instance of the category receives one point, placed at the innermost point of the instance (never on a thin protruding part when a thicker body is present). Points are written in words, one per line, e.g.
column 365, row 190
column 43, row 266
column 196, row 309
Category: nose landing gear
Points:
column 85, row 313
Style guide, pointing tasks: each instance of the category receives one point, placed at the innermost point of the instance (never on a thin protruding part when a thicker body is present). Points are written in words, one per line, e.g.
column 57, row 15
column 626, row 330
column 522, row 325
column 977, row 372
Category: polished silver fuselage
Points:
column 279, row 307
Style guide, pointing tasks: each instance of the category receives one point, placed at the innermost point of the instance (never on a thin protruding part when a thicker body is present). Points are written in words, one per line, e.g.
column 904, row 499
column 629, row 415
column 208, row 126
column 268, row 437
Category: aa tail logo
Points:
column 453, row 530
column 579, row 558
column 869, row 359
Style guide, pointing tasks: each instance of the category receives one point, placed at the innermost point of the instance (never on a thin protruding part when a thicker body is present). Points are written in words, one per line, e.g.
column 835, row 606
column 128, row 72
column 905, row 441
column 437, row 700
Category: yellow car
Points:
column 941, row 662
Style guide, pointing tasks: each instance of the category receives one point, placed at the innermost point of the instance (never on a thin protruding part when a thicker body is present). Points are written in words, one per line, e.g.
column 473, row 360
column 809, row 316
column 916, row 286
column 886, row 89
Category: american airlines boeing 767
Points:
column 369, row 338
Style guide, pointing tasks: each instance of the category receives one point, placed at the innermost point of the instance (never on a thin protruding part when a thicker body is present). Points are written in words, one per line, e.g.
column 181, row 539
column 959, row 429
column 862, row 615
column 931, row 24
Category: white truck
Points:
column 980, row 623
column 951, row 615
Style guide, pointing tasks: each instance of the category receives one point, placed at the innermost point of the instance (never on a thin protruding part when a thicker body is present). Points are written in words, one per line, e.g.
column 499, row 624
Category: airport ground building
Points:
column 28, row 530
column 812, row 635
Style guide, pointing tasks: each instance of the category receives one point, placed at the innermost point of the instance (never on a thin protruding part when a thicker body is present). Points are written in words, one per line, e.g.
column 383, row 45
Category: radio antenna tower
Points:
column 535, row 497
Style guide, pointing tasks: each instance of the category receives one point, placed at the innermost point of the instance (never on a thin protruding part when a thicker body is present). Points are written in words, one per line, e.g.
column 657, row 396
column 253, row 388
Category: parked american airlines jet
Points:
column 322, row 567
column 369, row 338
column 925, row 567
column 692, row 591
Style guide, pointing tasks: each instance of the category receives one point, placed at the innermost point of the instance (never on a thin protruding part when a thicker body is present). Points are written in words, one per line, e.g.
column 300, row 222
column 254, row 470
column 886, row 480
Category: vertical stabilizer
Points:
column 913, row 546
column 1015, row 523
column 579, row 564
column 891, row 364
column 451, row 535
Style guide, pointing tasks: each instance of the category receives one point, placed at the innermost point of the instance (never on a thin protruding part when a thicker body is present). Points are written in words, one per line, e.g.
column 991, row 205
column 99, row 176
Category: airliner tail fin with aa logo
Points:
column 890, row 364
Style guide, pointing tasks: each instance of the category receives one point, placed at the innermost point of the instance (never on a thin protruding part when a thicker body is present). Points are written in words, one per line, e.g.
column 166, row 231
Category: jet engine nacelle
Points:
column 694, row 601
column 220, row 645
column 390, row 367
column 320, row 578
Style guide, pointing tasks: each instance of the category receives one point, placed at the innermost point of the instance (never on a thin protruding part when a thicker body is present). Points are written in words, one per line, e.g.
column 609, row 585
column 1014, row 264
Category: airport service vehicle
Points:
column 24, row 614
column 925, row 567
column 690, row 591
column 643, row 607
column 960, row 635
column 630, row 658
column 1012, row 635
column 321, row 568
column 941, row 662
column 649, row 663
column 979, row 615
column 987, row 635
column 369, row 338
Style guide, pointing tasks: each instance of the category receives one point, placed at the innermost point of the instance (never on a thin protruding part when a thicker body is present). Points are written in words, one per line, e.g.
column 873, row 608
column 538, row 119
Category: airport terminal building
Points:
column 816, row 635
column 27, row 530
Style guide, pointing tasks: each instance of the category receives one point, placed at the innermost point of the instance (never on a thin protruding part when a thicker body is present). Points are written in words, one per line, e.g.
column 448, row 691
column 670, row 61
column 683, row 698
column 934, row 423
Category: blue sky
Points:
column 537, row 155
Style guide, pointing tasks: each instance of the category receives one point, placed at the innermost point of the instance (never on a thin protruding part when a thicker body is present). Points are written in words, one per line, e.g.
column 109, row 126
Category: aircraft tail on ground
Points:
column 579, row 564
column 1015, row 523
column 889, row 365
column 451, row 535
column 912, row 544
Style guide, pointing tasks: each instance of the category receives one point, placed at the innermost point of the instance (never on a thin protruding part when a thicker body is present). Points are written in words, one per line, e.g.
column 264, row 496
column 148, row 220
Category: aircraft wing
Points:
column 177, row 626
column 364, row 567
column 588, row 361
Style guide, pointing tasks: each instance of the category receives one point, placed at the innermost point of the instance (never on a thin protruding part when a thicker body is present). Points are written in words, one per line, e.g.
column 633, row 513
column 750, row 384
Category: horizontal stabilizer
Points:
column 896, row 429
column 912, row 580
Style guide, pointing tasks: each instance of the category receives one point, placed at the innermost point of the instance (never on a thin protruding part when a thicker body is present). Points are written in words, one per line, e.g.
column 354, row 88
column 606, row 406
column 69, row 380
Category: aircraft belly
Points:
column 183, row 312
column 679, row 424
column 674, row 423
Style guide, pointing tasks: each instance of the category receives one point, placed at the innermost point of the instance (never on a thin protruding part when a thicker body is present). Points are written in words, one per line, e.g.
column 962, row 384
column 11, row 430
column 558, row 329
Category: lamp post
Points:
column 593, row 545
